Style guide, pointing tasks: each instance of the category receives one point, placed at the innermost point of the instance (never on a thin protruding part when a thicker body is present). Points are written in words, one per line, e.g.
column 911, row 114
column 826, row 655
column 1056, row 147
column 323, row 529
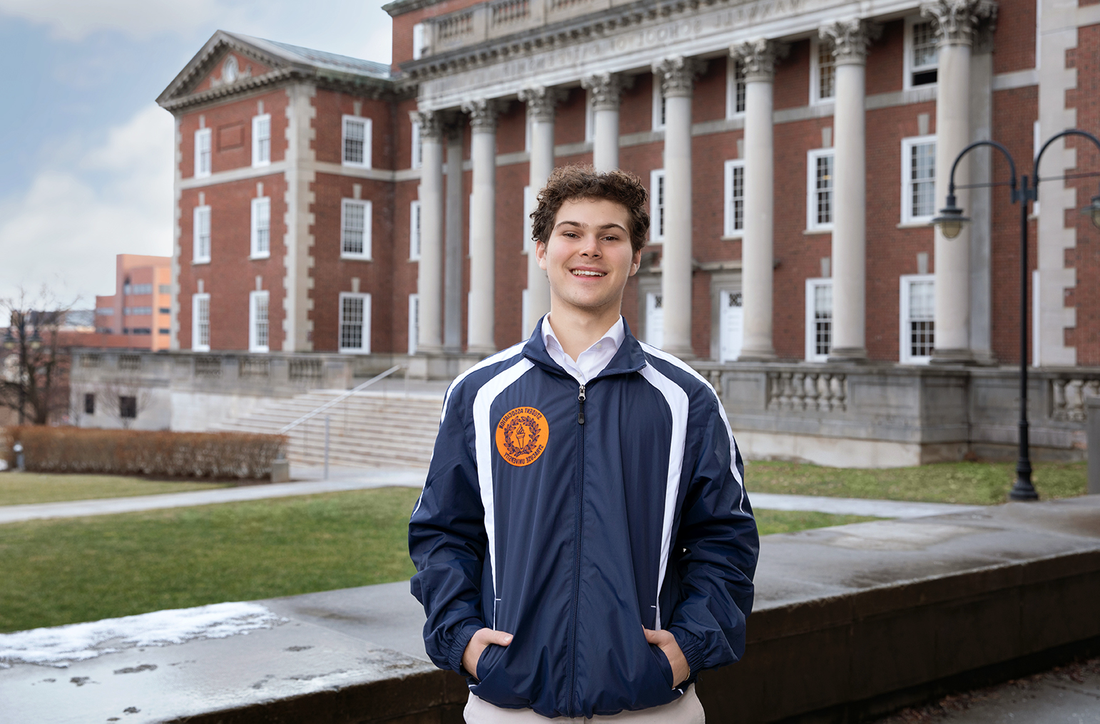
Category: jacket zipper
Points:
column 577, row 539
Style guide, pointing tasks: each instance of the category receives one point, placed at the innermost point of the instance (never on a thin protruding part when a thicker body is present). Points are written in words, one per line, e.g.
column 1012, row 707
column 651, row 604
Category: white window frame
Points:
column 735, row 89
column 365, row 254
column 907, row 145
column 729, row 226
column 812, row 224
column 414, row 230
column 200, row 221
column 198, row 301
column 529, row 201
column 909, row 67
column 905, row 355
column 258, row 342
column 812, row 355
column 816, row 48
column 366, row 326
column 204, row 140
column 657, row 206
column 261, row 141
column 414, row 323
column 261, row 216
column 366, row 161
column 659, row 105
column 418, row 41
column 415, row 155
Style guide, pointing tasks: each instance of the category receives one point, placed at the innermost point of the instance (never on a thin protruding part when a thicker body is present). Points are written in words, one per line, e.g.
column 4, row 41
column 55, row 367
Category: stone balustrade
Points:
column 1068, row 393
column 498, row 18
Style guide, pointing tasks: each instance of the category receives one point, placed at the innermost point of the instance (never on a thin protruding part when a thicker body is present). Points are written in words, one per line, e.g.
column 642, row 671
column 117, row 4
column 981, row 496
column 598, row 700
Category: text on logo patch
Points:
column 521, row 435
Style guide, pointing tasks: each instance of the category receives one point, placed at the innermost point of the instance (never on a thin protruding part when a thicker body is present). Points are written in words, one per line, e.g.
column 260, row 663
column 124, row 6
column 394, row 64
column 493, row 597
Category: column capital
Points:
column 431, row 124
column 483, row 113
column 758, row 58
column 957, row 21
column 677, row 74
column 606, row 89
column 541, row 101
column 850, row 39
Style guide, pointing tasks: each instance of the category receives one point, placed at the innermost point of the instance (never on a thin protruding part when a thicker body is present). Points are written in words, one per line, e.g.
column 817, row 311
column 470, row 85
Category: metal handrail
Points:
column 337, row 400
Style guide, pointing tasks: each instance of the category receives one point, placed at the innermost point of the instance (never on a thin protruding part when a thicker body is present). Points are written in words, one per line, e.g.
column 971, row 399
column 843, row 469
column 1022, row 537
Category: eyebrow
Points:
column 580, row 225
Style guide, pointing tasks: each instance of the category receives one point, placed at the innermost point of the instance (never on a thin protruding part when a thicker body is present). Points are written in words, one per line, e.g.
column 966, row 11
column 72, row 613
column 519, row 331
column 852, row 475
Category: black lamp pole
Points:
column 951, row 221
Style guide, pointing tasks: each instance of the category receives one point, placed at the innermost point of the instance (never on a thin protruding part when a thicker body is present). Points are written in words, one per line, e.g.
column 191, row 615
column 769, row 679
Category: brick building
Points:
column 141, row 308
column 795, row 153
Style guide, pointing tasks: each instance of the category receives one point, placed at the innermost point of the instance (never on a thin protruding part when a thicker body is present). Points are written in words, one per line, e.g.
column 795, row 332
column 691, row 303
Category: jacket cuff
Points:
column 692, row 648
column 458, row 647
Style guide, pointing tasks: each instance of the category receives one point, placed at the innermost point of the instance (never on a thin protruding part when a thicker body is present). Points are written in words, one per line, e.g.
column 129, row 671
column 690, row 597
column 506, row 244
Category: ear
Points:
column 540, row 254
column 635, row 262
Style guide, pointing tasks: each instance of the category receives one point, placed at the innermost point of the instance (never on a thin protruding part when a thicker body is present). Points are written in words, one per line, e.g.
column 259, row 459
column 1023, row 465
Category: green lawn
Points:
column 24, row 488
column 961, row 482
column 83, row 569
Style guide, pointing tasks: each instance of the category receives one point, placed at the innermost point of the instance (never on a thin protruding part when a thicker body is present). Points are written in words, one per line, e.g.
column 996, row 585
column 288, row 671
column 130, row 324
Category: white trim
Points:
column 908, row 281
column 365, row 162
column 261, row 213
column 200, row 223
column 728, row 213
column 255, row 342
column 365, row 253
column 812, row 223
column 816, row 48
column 364, row 324
column 414, row 323
column 659, row 105
column 418, row 41
column 657, row 205
column 416, row 157
column 261, row 154
column 589, row 118
column 907, row 144
column 414, row 231
column 735, row 86
column 198, row 300
column 908, row 66
column 203, row 142
column 812, row 353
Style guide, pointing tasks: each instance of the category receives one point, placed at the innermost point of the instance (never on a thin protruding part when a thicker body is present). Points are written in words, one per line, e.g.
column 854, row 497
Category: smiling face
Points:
column 588, row 259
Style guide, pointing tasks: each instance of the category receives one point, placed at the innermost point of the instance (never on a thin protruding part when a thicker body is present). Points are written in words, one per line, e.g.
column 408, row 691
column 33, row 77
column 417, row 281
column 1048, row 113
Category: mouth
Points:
column 587, row 273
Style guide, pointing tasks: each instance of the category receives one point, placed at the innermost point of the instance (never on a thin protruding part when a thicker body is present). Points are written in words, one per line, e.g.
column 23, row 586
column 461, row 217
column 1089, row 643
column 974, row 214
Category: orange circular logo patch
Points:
column 521, row 436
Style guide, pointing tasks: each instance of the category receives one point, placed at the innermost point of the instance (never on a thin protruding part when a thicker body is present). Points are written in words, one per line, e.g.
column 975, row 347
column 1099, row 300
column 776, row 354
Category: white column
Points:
column 606, row 90
column 483, row 124
column 452, row 244
column 849, row 40
column 955, row 22
column 540, row 108
column 758, row 58
column 677, row 76
column 429, row 278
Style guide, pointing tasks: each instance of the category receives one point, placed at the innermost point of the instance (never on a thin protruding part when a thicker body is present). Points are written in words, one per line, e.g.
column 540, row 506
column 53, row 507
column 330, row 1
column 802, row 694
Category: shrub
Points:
column 239, row 455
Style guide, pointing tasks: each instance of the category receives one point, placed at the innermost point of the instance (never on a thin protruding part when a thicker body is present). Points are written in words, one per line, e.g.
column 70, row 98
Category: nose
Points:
column 590, row 246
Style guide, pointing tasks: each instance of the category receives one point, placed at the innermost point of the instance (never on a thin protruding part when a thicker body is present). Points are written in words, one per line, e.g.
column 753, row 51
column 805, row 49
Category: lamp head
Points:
column 1093, row 211
column 951, row 219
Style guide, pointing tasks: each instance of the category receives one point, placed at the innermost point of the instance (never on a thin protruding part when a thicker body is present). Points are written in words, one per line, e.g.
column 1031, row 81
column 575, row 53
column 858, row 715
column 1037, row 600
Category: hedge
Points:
column 222, row 455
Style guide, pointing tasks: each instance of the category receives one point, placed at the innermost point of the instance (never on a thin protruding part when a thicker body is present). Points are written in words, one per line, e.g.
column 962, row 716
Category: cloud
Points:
column 116, row 197
column 142, row 19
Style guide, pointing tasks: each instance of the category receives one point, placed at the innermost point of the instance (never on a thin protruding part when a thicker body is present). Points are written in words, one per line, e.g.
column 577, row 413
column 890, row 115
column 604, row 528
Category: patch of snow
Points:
column 61, row 645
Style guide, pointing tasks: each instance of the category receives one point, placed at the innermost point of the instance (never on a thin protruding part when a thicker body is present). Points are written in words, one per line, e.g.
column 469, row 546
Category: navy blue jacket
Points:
column 573, row 516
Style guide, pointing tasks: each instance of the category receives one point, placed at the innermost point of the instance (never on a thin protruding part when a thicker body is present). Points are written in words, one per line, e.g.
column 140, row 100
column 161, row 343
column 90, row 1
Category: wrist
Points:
column 458, row 647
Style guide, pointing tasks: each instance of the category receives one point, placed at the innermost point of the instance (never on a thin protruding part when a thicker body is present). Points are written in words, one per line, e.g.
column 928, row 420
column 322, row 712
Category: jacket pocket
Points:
column 489, row 658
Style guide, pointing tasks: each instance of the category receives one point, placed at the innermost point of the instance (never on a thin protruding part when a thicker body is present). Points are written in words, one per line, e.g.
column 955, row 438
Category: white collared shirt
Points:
column 590, row 362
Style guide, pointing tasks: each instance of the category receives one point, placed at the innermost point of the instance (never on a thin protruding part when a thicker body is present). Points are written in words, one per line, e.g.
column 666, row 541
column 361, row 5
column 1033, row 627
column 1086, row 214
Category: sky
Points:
column 86, row 153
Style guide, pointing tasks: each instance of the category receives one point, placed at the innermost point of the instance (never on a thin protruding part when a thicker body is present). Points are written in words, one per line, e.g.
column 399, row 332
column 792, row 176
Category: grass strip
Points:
column 26, row 488
column 970, row 483
column 85, row 569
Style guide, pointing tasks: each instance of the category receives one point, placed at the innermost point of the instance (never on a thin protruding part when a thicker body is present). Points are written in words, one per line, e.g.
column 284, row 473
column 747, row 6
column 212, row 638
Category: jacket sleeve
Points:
column 718, row 545
column 447, row 542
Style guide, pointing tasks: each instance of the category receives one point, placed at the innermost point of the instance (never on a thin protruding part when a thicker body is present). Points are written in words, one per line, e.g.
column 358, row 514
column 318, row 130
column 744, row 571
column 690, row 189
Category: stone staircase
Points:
column 369, row 429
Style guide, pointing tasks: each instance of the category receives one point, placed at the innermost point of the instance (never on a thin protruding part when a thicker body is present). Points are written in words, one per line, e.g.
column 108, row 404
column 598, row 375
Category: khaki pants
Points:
column 685, row 710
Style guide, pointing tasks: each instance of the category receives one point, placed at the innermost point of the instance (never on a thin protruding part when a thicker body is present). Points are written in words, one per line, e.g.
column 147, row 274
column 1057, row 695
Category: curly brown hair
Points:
column 570, row 183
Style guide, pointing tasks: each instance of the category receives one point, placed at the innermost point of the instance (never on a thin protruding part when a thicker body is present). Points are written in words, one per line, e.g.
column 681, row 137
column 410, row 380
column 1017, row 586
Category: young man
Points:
column 584, row 544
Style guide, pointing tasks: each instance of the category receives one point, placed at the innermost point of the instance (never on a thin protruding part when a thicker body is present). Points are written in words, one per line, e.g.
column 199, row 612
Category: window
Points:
column 164, row 289
column 920, row 53
column 822, row 71
column 417, row 157
column 162, row 330
column 261, row 140
column 164, row 310
column 200, row 233
column 819, row 189
column 414, row 322
column 261, row 228
column 657, row 205
column 735, row 198
column 202, row 152
column 918, row 311
column 136, row 311
column 918, row 179
column 735, row 88
column 127, row 407
column 137, row 289
column 258, row 322
column 418, row 41
column 89, row 403
column 355, row 229
column 356, row 141
column 200, row 322
column 659, row 105
column 529, row 203
column 355, row 323
column 105, row 311
column 141, row 330
column 414, row 231
column 819, row 319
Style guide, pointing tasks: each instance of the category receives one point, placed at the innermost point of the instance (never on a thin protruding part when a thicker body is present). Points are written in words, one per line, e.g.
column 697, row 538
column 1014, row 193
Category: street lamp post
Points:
column 19, row 322
column 951, row 221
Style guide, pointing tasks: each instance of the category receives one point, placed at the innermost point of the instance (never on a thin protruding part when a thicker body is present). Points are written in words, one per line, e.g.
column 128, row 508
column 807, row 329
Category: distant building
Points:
column 140, row 310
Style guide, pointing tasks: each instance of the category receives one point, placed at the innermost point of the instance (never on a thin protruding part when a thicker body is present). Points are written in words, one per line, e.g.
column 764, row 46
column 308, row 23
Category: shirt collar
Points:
column 616, row 334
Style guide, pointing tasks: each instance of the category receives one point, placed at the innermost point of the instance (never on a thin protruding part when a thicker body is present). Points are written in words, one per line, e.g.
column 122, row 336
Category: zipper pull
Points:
column 580, row 413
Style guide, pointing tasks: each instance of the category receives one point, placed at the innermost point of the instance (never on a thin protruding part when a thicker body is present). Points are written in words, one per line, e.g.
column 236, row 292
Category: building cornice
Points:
column 400, row 7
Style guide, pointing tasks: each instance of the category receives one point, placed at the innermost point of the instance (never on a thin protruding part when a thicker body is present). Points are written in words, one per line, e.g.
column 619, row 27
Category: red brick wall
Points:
column 403, row 26
column 231, row 132
column 328, row 125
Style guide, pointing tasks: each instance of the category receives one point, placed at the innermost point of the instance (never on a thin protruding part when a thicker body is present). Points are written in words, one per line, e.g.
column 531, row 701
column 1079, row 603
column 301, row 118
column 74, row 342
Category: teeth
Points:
column 581, row 273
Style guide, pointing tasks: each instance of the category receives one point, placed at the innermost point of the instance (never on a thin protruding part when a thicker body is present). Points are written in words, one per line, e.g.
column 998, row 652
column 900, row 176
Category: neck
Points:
column 578, row 332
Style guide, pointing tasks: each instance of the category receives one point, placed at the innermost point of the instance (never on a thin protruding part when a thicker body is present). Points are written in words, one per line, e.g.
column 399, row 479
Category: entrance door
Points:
column 654, row 319
column 730, row 320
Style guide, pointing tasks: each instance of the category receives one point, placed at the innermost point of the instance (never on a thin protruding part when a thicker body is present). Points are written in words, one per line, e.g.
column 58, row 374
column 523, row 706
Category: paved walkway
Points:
column 310, row 480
